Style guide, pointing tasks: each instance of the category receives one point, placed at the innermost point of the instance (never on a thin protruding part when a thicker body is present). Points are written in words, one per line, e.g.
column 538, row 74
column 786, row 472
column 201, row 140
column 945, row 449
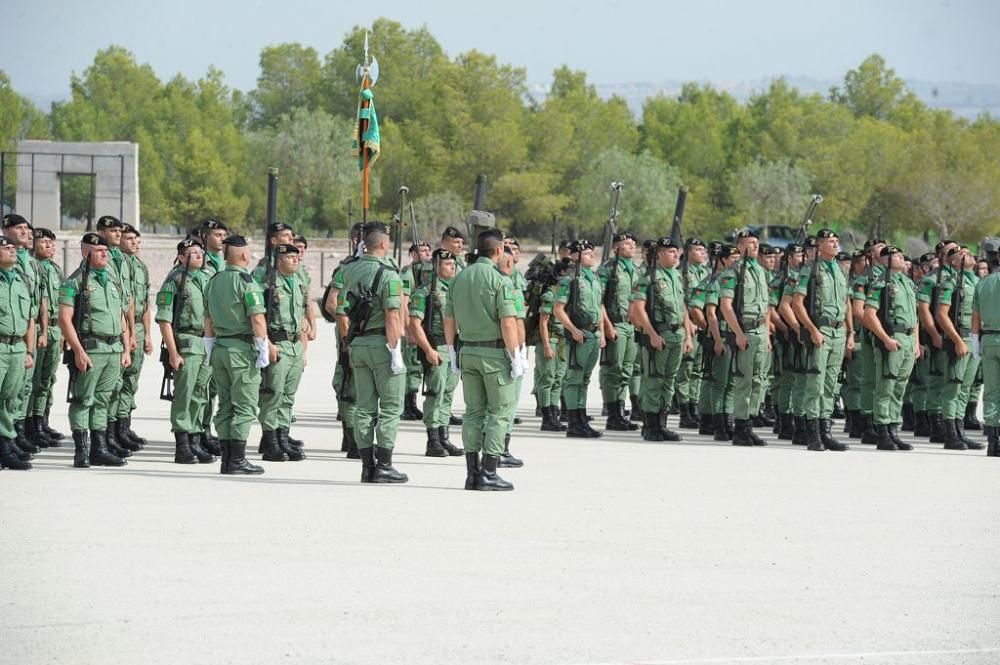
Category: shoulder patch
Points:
column 395, row 286
column 253, row 299
column 508, row 292
column 164, row 298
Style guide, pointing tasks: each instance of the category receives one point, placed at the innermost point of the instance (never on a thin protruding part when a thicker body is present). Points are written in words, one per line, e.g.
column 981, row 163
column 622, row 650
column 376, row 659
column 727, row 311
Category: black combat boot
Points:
column 538, row 407
column 55, row 435
column 921, row 424
column 778, row 418
column 741, row 436
column 211, row 442
column 951, row 440
column 668, row 434
column 384, row 471
column 762, row 419
column 908, row 423
column 826, row 436
column 488, row 480
column 289, row 446
column 768, row 409
column 625, row 416
column 550, row 420
column 801, row 435
column 707, row 426
column 636, row 414
column 757, row 441
column 81, row 449
column 410, row 410
column 458, row 421
column 367, row 457
column 857, row 425
column 585, row 420
column 848, row 415
column 452, row 450
column 971, row 421
column 883, row 438
column 617, row 422
column 234, row 460
column 182, row 449
column 731, row 425
column 35, row 435
column 894, row 435
column 563, row 411
column 838, row 410
column 344, row 442
column 812, row 434
column 125, row 429
column 270, row 451
column 938, row 434
column 9, row 458
column 688, row 420
column 40, row 427
column 352, row 444
column 969, row 443
column 204, row 457
column 99, row 453
column 869, row 436
column 434, row 448
column 992, row 440
column 578, row 427
column 22, row 441
column 471, row 470
column 111, row 441
column 721, row 430
column 295, row 443
column 651, row 427
column 508, row 461
column 787, row 431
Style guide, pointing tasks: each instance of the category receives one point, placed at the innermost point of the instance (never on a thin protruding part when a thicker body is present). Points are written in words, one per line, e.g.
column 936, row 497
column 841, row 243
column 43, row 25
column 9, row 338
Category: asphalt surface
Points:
column 609, row 551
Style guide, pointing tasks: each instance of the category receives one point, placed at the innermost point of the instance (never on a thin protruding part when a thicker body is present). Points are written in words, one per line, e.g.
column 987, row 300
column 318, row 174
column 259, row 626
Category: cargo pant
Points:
column 190, row 385
column 237, row 381
column 94, row 389
column 891, row 373
column 748, row 379
column 12, row 358
column 440, row 383
column 616, row 361
column 378, row 393
column 550, row 373
column 490, row 399
column 824, row 367
column 279, row 384
column 660, row 372
column 580, row 365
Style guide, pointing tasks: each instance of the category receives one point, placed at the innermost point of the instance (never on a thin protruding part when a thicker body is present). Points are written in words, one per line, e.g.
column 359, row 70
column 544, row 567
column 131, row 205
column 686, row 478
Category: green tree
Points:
column 290, row 77
column 873, row 89
column 770, row 193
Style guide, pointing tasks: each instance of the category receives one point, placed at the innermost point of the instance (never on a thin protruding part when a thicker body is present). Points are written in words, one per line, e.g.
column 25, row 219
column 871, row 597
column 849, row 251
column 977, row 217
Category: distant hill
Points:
column 964, row 99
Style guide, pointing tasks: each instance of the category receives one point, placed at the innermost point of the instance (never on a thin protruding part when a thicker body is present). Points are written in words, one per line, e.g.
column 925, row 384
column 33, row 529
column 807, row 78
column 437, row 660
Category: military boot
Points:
column 969, row 443
column 100, row 455
column 801, row 435
column 688, row 420
column 471, row 470
column 857, row 425
column 508, row 461
column 921, row 424
column 636, row 413
column 668, row 434
column 868, row 436
column 721, row 431
column 826, row 436
column 55, row 435
column 204, row 457
column 585, row 421
column 578, row 427
column 538, row 407
column 34, row 434
column 182, row 449
column 617, row 422
column 488, row 480
column 848, row 416
column 707, row 425
column 550, row 420
column 289, row 446
column 741, row 435
column 787, row 431
column 458, row 421
column 111, row 441
column 626, row 416
column 762, row 419
column 410, row 410
column 40, row 428
column 908, row 417
column 938, row 434
column 384, row 471
column 21, row 439
column 211, row 442
column 894, row 435
column 235, row 460
column 125, row 430
column 367, row 457
column 651, row 427
column 757, row 441
column 992, row 440
column 838, row 410
column 9, row 458
column 971, row 421
column 812, row 435
column 434, row 448
column 883, row 439
column 951, row 440
column 445, row 436
column 352, row 444
column 81, row 449
column 344, row 443
column 269, row 449
column 778, row 418
column 768, row 409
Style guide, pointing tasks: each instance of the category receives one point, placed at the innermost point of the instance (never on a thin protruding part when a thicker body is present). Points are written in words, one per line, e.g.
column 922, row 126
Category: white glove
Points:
column 396, row 358
column 517, row 365
column 977, row 349
column 524, row 354
column 454, row 360
column 209, row 345
column 263, row 357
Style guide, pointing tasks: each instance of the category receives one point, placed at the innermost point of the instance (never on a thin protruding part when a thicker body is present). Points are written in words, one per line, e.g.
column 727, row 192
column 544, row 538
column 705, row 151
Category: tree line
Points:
column 882, row 159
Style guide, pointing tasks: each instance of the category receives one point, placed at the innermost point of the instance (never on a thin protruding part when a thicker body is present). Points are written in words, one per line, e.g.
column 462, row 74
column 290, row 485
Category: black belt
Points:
column 900, row 328
column 243, row 338
column 673, row 327
column 491, row 344
column 438, row 341
column 191, row 331
column 282, row 336
column 113, row 339
column 373, row 332
column 829, row 323
column 989, row 332
column 751, row 323
column 13, row 339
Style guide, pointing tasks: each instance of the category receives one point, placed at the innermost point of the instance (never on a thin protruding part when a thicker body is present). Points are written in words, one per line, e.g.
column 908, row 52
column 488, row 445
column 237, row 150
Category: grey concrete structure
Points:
column 114, row 165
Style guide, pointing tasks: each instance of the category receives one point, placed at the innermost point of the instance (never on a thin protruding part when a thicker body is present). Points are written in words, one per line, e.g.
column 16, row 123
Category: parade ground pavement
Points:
column 609, row 551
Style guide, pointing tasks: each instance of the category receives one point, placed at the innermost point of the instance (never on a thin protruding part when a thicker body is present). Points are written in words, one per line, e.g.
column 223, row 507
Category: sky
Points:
column 720, row 41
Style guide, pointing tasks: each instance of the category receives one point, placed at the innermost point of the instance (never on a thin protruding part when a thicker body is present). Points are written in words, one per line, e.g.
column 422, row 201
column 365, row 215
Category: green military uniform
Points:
column 550, row 371
column 439, row 379
column 718, row 397
column 583, row 356
column 215, row 262
column 15, row 314
column 688, row 386
column 618, row 356
column 191, row 380
column 410, row 276
column 520, row 285
column 343, row 389
column 892, row 369
column 986, row 303
column 825, row 285
column 30, row 275
column 864, row 350
column 659, row 367
column 782, row 366
column 749, row 363
column 852, row 385
column 139, row 289
column 959, row 371
column 47, row 359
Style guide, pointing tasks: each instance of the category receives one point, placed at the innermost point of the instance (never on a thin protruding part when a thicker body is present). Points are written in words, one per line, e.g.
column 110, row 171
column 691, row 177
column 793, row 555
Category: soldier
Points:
column 864, row 350
column 618, row 277
column 821, row 306
column 953, row 316
column 694, row 268
column 99, row 349
column 892, row 318
column 550, row 352
column 16, row 352
column 750, row 333
column 412, row 276
column 933, row 371
column 428, row 336
column 122, row 408
column 579, row 307
column 305, row 283
column 481, row 323
column 854, row 421
column 452, row 241
column 786, row 342
column 49, row 351
column 666, row 336
column 376, row 356
column 287, row 322
column 237, row 347
column 213, row 233
column 986, row 345
column 506, row 267
column 180, row 315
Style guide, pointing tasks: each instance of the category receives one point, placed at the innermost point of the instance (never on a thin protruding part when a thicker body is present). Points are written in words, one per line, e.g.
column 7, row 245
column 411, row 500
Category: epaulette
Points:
column 246, row 277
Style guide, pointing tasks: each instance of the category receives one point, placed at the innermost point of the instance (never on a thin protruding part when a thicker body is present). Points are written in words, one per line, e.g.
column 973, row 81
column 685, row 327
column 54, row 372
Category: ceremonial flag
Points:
column 366, row 134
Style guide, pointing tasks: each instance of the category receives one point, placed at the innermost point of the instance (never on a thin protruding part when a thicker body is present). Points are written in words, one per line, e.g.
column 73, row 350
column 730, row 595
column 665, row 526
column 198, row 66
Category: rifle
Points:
column 610, row 303
column 955, row 314
column 734, row 366
column 272, row 315
column 69, row 358
column 573, row 311
column 397, row 220
column 933, row 368
column 167, row 386
column 677, row 235
column 554, row 222
column 428, row 322
column 885, row 305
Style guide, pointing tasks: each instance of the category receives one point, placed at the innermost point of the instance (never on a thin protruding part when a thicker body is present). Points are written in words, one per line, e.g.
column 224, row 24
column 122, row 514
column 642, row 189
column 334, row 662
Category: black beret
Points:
column 183, row 245
column 6, row 242
column 235, row 241
column 514, row 241
column 907, row 258
column 452, row 232
column 128, row 228
column 301, row 239
column 623, row 235
column 953, row 251
column 93, row 239
column 714, row 247
column 794, row 248
column 694, row 242
column 809, row 243
column 928, row 257
column 580, row 245
column 286, row 249
column 213, row 224
column 376, row 227
column 871, row 242
column 109, row 222
column 564, row 244
column 824, row 234
column 563, row 266
column 665, row 243
column 442, row 255
column 941, row 245
column 888, row 250
column 727, row 251
column 13, row 219
column 277, row 227
column 507, row 250
column 843, row 256
column 43, row 233
column 648, row 243
column 858, row 254
column 358, row 228
column 415, row 247
column 746, row 233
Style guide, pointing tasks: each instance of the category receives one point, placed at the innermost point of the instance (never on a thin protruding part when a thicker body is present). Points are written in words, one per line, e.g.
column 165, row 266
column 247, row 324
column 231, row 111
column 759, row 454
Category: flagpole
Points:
column 366, row 166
